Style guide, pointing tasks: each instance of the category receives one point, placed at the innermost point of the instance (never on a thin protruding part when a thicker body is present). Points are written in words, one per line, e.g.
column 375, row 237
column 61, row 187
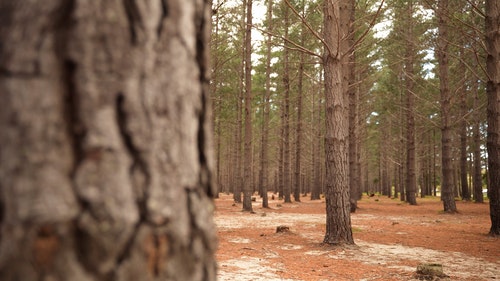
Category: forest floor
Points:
column 391, row 238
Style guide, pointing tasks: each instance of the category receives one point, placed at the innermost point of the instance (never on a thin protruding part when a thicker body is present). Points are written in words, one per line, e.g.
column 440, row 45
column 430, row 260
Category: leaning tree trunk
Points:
column 105, row 141
column 493, row 92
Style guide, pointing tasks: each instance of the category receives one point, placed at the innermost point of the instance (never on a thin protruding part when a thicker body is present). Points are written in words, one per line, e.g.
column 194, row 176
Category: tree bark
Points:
column 447, row 188
column 105, row 161
column 264, row 181
column 411, row 178
column 351, row 91
column 239, row 156
column 286, row 113
column 317, row 140
column 464, row 183
column 477, row 177
column 338, row 217
column 216, row 105
column 492, row 21
column 298, row 132
column 248, row 163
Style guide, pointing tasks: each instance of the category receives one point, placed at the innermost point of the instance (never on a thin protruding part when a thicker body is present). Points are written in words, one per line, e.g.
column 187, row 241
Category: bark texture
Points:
column 493, row 92
column 287, row 185
column 264, row 157
column 447, row 188
column 338, row 217
column 477, row 182
column 248, row 152
column 411, row 161
column 105, row 141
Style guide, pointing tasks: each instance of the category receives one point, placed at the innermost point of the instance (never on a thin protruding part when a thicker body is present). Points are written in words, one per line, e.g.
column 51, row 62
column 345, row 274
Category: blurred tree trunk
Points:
column 105, row 170
column 492, row 21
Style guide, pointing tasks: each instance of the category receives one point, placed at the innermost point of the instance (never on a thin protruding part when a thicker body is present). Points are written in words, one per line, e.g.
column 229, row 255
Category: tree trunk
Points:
column 105, row 170
column 351, row 92
column 286, row 114
column 316, row 189
column 447, row 188
column 338, row 218
column 463, row 151
column 493, row 91
column 265, row 127
column 477, row 177
column 216, row 112
column 248, row 163
column 298, row 132
column 238, row 187
column 411, row 178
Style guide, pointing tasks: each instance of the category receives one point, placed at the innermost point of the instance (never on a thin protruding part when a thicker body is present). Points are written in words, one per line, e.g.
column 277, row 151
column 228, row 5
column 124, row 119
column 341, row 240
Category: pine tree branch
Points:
column 309, row 27
column 370, row 26
column 297, row 46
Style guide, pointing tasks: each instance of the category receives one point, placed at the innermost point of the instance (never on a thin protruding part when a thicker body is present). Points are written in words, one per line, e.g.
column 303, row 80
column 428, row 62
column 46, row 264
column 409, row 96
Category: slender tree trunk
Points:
column 216, row 109
column 238, row 187
column 265, row 131
column 351, row 91
column 286, row 114
column 248, row 155
column 281, row 169
column 493, row 91
column 447, row 187
column 316, row 190
column 298, row 132
column 477, row 177
column 219, row 155
column 464, row 183
column 434, row 164
column 237, row 147
column 401, row 156
column 411, row 178
column 338, row 218
column 106, row 162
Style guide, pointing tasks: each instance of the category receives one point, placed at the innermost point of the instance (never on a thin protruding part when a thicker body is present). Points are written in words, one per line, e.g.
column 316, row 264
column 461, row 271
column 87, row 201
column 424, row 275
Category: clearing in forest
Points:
column 391, row 237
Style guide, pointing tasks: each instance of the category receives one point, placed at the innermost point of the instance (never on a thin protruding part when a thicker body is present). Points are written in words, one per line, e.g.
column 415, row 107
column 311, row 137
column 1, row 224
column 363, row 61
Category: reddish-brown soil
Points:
column 391, row 238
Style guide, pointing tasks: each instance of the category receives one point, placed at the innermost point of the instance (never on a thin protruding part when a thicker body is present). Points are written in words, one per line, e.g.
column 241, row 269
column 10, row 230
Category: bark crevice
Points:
column 164, row 15
column 138, row 164
column 204, row 114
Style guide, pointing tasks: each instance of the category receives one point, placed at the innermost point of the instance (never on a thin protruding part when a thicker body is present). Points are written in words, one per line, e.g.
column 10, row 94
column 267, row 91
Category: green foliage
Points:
column 380, row 75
